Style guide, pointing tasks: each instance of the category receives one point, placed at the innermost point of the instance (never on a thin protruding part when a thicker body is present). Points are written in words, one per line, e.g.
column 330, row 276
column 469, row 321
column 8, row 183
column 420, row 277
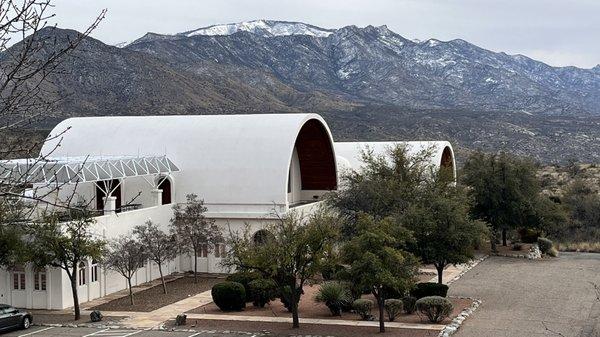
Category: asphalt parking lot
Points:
column 41, row 331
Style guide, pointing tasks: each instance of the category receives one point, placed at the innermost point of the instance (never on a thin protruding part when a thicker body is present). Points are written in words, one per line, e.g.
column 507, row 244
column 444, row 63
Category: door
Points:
column 165, row 186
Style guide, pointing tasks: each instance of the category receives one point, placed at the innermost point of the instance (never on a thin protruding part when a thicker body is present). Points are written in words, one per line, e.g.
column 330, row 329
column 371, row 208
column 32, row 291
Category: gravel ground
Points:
column 522, row 298
column 154, row 298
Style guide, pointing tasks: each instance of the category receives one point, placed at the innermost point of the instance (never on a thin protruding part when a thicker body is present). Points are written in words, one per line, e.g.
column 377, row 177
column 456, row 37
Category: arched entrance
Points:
column 165, row 185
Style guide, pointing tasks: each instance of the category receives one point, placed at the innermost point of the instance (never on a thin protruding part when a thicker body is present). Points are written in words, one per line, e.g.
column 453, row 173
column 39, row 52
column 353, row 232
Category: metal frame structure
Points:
column 76, row 170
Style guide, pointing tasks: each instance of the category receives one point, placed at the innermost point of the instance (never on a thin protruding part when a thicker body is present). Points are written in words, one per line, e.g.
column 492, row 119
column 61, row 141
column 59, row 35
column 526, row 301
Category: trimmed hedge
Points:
column 425, row 289
column 229, row 296
column 262, row 291
column 363, row 308
column 393, row 307
column 244, row 278
column 435, row 308
column 409, row 304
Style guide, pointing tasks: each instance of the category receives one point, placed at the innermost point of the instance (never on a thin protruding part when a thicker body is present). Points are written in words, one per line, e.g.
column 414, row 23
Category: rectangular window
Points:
column 220, row 250
column 204, row 250
column 18, row 280
column 39, row 281
column 82, row 276
column 94, row 273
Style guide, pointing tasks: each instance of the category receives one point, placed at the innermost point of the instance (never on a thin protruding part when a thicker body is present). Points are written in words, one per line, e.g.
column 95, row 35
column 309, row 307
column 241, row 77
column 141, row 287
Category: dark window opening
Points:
column 165, row 186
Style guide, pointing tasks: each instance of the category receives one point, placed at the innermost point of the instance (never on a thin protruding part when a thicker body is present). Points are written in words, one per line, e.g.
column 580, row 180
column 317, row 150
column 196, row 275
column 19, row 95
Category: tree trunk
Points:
column 504, row 237
column 130, row 291
column 380, row 304
column 294, row 304
column 162, row 278
column 195, row 266
column 440, row 272
column 493, row 242
column 73, row 279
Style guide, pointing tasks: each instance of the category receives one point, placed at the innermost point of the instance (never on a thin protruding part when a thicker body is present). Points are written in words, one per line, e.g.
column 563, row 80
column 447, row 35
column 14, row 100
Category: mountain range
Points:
column 370, row 83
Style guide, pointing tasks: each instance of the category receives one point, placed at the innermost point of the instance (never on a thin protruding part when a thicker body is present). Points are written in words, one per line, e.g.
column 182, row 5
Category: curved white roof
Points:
column 225, row 159
column 351, row 152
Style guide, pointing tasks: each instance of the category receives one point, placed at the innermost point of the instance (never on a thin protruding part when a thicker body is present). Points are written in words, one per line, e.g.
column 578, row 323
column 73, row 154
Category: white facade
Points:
column 245, row 167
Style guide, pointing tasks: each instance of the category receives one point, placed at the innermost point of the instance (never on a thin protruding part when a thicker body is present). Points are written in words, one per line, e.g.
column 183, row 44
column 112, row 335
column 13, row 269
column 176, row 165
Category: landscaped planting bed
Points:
column 285, row 329
column 309, row 308
column 154, row 298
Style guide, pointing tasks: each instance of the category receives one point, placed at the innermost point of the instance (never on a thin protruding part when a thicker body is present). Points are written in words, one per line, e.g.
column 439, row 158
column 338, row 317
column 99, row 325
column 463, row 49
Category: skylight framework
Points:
column 74, row 170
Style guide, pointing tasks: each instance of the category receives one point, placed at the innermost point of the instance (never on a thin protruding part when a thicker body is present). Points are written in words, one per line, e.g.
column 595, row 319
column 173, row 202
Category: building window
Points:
column 39, row 281
column 204, row 250
column 94, row 269
column 220, row 250
column 18, row 280
column 82, row 274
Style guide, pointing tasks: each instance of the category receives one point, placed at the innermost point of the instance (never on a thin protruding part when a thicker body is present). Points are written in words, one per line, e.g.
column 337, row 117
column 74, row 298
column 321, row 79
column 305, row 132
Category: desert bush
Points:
column 363, row 308
column 244, row 278
column 334, row 294
column 229, row 296
column 544, row 244
column 262, row 291
column 409, row 304
column 528, row 235
column 435, row 308
column 425, row 289
column 393, row 307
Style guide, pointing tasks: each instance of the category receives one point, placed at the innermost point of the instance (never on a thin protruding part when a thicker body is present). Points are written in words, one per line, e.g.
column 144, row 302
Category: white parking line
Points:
column 36, row 331
column 113, row 333
column 196, row 334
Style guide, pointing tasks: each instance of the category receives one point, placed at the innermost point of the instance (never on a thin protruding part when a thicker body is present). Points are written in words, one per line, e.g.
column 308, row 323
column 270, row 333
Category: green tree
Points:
column 65, row 245
column 441, row 224
column 159, row 246
column 377, row 261
column 125, row 256
column 386, row 186
column 291, row 253
column 505, row 191
column 193, row 230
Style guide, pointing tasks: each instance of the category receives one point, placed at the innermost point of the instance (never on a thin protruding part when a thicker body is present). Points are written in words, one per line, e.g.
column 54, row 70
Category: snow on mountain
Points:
column 263, row 27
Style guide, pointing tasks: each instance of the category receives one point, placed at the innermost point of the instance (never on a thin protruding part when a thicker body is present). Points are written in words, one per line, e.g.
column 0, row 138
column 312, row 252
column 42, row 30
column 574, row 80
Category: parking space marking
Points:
column 36, row 331
column 196, row 334
column 113, row 333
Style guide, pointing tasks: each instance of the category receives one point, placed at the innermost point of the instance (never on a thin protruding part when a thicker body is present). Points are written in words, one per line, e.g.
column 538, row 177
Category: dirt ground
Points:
column 285, row 329
column 505, row 250
column 50, row 317
column 154, row 298
column 309, row 308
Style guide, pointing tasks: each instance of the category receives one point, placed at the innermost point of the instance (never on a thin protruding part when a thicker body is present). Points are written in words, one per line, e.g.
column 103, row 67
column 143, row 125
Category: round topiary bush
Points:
column 435, row 308
column 229, row 296
column 334, row 294
column 393, row 307
column 409, row 304
column 262, row 291
column 363, row 308
column 244, row 278
column 425, row 289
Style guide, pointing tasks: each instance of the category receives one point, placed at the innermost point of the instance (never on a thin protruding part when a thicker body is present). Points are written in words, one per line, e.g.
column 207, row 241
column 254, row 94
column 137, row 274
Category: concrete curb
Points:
column 533, row 254
column 470, row 266
column 451, row 328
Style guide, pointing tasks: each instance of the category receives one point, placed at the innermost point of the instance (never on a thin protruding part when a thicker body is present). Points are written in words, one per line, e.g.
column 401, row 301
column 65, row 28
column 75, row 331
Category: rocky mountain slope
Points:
column 370, row 84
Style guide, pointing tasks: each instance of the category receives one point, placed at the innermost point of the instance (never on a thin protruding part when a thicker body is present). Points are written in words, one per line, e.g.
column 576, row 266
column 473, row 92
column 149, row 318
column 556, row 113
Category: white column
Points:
column 157, row 197
column 110, row 205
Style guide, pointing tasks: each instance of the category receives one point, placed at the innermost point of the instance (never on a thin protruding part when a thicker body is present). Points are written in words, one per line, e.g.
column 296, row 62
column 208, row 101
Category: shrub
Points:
column 517, row 246
column 435, row 308
column 393, row 307
column 363, row 308
column 244, row 278
column 330, row 271
column 409, row 303
column 528, row 235
column 425, row 289
column 545, row 245
column 334, row 294
column 229, row 296
column 180, row 319
column 553, row 252
column 262, row 291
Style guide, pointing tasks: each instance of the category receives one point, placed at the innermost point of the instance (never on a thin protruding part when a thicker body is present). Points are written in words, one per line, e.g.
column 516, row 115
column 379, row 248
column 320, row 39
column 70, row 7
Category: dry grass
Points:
column 586, row 247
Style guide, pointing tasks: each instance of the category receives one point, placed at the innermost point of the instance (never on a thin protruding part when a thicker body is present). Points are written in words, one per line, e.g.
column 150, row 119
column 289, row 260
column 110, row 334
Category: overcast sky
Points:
column 557, row 32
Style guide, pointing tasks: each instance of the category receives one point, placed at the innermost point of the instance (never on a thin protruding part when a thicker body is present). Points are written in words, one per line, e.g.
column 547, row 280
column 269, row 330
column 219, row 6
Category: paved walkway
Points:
column 523, row 298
